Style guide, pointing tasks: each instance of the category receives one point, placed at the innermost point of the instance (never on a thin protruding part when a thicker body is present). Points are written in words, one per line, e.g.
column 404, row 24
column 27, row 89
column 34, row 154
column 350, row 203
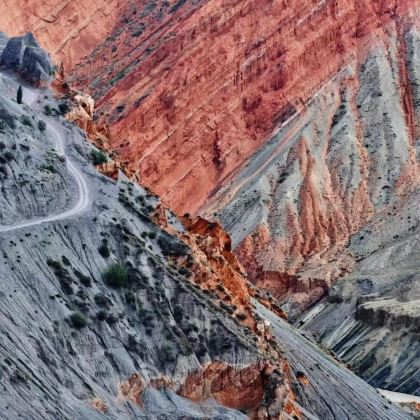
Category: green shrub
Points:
column 241, row 316
column 101, row 315
column 151, row 235
column 41, row 125
column 101, row 300
column 98, row 157
column 47, row 110
column 84, row 279
column 178, row 313
column 47, row 168
column 63, row 107
column 65, row 260
column 78, row 320
column 9, row 156
column 116, row 276
column 26, row 121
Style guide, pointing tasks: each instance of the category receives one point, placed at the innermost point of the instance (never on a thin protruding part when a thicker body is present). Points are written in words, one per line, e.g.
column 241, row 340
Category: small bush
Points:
column 41, row 125
column 63, row 107
column 104, row 250
column 116, row 276
column 47, row 110
column 130, row 298
column 151, row 235
column 98, row 157
column 85, row 280
column 9, row 156
column 178, row 313
column 56, row 265
column 101, row 315
column 78, row 320
column 241, row 316
column 47, row 168
column 26, row 121
column 101, row 300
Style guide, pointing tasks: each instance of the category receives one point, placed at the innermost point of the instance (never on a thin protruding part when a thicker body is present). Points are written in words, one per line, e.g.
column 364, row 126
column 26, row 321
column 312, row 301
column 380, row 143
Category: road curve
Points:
column 83, row 191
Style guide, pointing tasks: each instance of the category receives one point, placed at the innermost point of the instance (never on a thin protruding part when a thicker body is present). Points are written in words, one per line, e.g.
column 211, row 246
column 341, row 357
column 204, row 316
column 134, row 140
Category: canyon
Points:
column 293, row 125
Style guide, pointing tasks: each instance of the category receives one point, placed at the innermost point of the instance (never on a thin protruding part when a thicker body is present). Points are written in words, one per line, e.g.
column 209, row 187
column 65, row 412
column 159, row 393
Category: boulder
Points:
column 24, row 55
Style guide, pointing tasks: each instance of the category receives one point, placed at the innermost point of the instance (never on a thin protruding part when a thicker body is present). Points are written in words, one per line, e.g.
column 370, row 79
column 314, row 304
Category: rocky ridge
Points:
column 24, row 55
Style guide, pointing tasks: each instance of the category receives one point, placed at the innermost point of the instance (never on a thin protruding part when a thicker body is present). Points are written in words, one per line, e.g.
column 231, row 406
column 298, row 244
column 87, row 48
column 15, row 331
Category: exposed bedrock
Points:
column 24, row 55
column 349, row 155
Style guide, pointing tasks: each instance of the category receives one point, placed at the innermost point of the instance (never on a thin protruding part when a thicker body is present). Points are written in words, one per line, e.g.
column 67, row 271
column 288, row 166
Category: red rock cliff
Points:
column 193, row 92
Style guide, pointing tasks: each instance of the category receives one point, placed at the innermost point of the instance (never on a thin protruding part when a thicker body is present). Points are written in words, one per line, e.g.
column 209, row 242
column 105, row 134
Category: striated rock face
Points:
column 24, row 55
column 158, row 339
column 206, row 84
column 292, row 124
column 350, row 155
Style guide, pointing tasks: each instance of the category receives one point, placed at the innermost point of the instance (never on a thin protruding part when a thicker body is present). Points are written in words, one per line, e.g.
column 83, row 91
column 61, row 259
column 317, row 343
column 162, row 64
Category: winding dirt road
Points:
column 30, row 97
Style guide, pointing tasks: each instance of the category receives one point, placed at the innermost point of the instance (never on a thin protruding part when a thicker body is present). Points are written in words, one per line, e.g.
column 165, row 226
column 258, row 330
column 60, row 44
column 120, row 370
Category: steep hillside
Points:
column 294, row 124
column 112, row 307
column 291, row 123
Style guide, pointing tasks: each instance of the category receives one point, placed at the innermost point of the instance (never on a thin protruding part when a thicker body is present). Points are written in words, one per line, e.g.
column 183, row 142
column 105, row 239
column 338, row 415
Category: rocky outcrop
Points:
column 348, row 157
column 24, row 55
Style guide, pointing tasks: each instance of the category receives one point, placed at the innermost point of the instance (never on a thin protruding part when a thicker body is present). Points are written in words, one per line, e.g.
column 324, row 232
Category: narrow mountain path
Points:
column 30, row 96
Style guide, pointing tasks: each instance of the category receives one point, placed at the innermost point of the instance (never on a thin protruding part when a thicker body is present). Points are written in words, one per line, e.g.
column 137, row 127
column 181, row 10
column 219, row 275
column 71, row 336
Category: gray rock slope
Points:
column 49, row 272
column 371, row 318
column 332, row 391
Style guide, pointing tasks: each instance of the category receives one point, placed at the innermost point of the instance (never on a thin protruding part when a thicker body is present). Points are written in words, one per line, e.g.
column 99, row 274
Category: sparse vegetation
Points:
column 101, row 315
column 41, row 125
column 65, row 260
column 98, row 157
column 47, row 168
column 101, row 300
column 63, row 108
column 9, row 156
column 78, row 320
column 85, row 280
column 104, row 250
column 47, row 110
column 116, row 276
column 26, row 121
